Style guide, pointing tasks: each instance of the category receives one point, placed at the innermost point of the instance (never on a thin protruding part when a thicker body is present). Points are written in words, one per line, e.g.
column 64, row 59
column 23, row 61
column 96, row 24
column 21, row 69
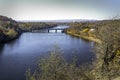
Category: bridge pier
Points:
column 55, row 30
column 48, row 30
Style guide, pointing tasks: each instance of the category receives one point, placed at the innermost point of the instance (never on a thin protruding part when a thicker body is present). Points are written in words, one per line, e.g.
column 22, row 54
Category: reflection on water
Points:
column 1, row 48
column 23, row 53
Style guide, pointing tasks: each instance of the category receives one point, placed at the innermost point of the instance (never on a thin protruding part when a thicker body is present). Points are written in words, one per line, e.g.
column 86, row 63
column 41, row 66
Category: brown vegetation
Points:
column 55, row 67
column 8, row 29
column 107, row 64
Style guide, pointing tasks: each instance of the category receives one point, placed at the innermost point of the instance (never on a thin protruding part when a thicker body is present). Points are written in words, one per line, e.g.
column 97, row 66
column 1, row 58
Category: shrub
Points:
column 11, row 33
column 54, row 67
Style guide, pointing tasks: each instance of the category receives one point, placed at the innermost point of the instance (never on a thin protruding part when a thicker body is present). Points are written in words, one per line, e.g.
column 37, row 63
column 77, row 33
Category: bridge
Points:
column 56, row 30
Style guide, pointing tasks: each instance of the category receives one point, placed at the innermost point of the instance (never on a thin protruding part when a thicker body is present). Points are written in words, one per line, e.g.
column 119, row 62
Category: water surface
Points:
column 24, row 52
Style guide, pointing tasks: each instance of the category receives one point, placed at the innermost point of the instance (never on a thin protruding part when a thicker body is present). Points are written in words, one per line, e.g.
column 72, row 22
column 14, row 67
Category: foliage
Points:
column 86, row 30
column 107, row 63
column 28, row 26
column 107, row 53
column 8, row 29
column 11, row 33
column 54, row 67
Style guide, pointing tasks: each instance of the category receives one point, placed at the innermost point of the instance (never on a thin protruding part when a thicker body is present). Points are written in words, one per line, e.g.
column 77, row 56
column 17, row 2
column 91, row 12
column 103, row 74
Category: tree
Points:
column 54, row 67
column 107, row 51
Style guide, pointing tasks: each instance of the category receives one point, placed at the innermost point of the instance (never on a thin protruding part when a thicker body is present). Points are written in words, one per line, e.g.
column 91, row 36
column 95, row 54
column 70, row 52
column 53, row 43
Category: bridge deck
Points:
column 49, row 29
column 56, row 28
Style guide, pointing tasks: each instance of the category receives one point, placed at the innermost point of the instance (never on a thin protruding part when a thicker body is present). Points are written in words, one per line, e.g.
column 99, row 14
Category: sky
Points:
column 59, row 9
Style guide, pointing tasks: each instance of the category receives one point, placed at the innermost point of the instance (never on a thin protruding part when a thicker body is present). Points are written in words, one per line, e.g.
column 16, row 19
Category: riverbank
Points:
column 106, row 66
column 29, row 26
column 84, row 37
column 11, row 29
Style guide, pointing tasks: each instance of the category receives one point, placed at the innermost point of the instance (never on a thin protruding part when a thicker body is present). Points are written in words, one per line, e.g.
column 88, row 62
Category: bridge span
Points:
column 56, row 30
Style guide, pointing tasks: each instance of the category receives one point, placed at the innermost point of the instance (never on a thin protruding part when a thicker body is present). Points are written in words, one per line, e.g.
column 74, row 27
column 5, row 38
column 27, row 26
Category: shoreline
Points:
column 85, row 37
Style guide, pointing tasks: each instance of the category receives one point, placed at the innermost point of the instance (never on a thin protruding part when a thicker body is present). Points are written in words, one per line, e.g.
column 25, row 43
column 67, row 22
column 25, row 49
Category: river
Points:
column 23, row 53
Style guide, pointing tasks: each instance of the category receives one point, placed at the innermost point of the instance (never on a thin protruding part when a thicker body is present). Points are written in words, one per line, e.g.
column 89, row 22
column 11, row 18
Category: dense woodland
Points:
column 28, row 26
column 8, row 29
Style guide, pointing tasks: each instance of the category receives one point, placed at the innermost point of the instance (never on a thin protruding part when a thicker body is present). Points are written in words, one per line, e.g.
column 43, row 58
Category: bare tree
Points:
column 107, row 51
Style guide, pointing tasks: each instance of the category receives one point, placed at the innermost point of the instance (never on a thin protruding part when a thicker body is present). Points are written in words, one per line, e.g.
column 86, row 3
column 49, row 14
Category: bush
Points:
column 11, row 33
column 54, row 67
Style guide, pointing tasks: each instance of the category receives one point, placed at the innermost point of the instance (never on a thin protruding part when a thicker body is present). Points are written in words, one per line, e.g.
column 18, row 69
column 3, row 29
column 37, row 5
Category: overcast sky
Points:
column 59, row 9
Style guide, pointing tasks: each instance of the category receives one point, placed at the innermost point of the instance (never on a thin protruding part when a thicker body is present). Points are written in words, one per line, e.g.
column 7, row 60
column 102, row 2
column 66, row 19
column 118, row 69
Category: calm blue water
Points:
column 24, row 52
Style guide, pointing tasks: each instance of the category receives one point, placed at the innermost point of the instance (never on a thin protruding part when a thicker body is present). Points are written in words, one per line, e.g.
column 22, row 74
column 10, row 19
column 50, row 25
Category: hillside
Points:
column 28, row 26
column 107, row 49
column 8, row 29
column 11, row 29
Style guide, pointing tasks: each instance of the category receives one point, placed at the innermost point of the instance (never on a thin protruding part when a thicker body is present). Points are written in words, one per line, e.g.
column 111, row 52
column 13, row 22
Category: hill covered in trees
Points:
column 8, row 29
column 107, row 49
column 28, row 26
column 11, row 29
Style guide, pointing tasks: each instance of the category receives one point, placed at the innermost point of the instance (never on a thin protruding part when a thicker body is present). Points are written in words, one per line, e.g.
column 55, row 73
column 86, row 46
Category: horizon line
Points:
column 60, row 20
